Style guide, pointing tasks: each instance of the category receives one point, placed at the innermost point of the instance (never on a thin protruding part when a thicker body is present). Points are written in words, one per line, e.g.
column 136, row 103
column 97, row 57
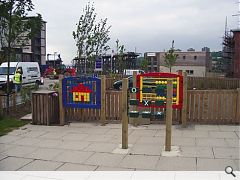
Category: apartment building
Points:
column 34, row 50
column 195, row 63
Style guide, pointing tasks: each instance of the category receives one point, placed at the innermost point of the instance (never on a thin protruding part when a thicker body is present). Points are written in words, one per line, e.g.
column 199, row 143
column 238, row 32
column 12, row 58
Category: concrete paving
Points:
column 91, row 147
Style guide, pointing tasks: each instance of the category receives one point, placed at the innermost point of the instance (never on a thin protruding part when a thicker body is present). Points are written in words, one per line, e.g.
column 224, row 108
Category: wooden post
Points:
column 169, row 115
column 61, row 108
column 184, row 108
column 124, row 113
column 103, row 101
column 135, row 120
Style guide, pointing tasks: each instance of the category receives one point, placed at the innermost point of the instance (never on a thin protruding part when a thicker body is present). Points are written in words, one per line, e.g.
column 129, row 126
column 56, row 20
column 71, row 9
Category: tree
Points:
column 91, row 37
column 120, row 56
column 16, row 28
column 170, row 58
column 144, row 64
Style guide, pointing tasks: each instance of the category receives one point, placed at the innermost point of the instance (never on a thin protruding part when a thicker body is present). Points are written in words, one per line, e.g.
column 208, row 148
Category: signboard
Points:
column 152, row 90
column 98, row 64
column 82, row 92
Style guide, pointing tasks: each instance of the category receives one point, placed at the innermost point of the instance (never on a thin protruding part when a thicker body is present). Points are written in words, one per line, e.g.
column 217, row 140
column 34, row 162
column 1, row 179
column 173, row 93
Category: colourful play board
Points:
column 152, row 90
column 82, row 92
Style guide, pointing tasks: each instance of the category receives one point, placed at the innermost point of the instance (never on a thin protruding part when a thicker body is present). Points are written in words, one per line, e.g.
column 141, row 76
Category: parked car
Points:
column 118, row 84
column 129, row 72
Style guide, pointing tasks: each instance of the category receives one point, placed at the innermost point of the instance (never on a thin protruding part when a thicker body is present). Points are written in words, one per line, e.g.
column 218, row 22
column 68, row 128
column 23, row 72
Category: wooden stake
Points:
column 184, row 108
column 103, row 101
column 135, row 120
column 61, row 108
column 169, row 115
column 124, row 113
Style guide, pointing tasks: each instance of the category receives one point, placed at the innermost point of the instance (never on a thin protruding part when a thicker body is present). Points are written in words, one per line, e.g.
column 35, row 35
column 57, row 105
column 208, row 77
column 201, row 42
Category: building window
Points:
column 190, row 72
column 195, row 57
column 184, row 57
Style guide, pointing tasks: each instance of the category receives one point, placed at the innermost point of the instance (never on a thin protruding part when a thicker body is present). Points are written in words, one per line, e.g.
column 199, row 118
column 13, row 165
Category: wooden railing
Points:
column 214, row 106
column 205, row 83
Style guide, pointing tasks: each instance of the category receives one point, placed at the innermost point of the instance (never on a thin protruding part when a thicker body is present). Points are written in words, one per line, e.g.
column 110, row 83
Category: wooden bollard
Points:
column 61, row 108
column 184, row 107
column 169, row 115
column 124, row 113
column 103, row 101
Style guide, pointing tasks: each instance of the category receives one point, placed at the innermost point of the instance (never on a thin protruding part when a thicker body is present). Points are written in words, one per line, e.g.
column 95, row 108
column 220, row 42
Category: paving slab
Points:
column 2, row 156
column 233, row 143
column 25, row 141
column 149, row 149
column 48, row 143
column 53, row 135
column 176, row 164
column 193, row 133
column 175, row 133
column 73, row 156
column 196, row 151
column 211, row 142
column 33, row 134
column 223, row 134
column 18, row 132
column 98, row 138
column 143, row 132
column 105, row 159
column 4, row 147
column 9, row 139
column 40, row 165
column 105, row 168
column 76, row 167
column 44, row 154
column 73, row 145
column 75, row 136
column 13, row 163
column 140, row 161
column 151, row 140
column 183, row 141
column 207, row 128
column 237, row 162
column 101, row 147
column 228, row 153
column 19, row 151
column 204, row 164
column 229, row 128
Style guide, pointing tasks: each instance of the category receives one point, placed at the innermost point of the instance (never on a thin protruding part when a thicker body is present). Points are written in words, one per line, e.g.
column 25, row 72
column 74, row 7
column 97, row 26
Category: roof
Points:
column 81, row 88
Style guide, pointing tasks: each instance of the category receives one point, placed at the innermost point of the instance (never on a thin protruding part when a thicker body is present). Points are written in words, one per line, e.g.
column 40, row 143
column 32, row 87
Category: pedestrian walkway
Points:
column 91, row 147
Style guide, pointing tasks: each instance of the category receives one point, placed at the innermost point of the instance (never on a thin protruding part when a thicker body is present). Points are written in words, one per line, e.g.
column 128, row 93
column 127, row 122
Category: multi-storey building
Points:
column 195, row 63
column 35, row 48
column 236, row 56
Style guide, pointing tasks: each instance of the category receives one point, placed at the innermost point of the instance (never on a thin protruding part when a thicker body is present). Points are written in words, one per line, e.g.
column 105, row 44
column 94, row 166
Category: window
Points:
column 32, row 69
column 190, row 72
column 195, row 57
column 184, row 57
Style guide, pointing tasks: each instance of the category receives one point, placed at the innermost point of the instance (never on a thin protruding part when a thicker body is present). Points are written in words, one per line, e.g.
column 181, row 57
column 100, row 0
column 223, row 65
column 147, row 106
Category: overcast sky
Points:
column 144, row 25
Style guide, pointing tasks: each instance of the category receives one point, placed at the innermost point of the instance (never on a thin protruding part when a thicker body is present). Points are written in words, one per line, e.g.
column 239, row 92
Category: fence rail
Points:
column 213, row 106
column 205, row 83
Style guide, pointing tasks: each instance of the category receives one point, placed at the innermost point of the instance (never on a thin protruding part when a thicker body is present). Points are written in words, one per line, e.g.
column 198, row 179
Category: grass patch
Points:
column 8, row 124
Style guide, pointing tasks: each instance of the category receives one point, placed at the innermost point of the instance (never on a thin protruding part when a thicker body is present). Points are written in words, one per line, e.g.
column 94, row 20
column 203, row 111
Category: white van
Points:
column 129, row 72
column 30, row 73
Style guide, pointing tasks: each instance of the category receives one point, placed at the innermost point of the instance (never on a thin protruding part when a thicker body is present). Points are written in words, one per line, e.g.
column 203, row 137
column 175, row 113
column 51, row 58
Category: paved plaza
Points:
column 91, row 147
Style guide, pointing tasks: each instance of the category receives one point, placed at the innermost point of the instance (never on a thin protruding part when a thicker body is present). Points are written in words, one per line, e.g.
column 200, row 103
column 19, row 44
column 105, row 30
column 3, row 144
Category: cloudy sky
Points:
column 144, row 25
